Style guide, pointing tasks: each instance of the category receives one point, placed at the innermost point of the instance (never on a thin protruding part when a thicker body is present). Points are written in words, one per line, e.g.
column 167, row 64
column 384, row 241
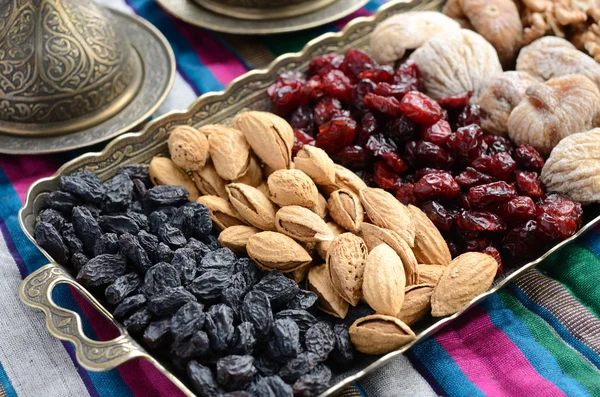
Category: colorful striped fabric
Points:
column 538, row 337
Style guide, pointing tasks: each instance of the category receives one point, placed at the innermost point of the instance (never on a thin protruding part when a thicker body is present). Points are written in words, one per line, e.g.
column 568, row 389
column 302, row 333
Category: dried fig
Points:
column 550, row 57
column 407, row 31
column 554, row 110
column 503, row 94
column 456, row 63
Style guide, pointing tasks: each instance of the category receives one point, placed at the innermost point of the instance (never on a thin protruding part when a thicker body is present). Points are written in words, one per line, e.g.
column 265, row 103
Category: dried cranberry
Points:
column 430, row 154
column 419, row 108
column 471, row 177
column 325, row 110
column 385, row 177
column 369, row 127
column 301, row 138
column 529, row 184
column 354, row 157
column 498, row 144
column 441, row 218
column 558, row 217
column 500, row 166
column 337, row 85
column 426, row 171
column 286, row 96
column 523, row 241
column 480, row 221
column 338, row 133
column 400, row 129
column 493, row 252
column 453, row 247
column 463, row 201
column 491, row 194
column 393, row 90
column 405, row 194
column 380, row 144
column 518, row 210
column 529, row 159
column 436, row 186
column 437, row 133
column 474, row 241
column 408, row 74
column 323, row 64
column 394, row 160
column 302, row 119
column 291, row 76
column 470, row 115
column 410, row 153
column 455, row 101
column 355, row 62
column 466, row 143
column 314, row 88
column 360, row 90
column 379, row 74
column 386, row 106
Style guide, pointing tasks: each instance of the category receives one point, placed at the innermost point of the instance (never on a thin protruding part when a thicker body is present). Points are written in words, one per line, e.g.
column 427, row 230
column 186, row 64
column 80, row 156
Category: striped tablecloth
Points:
column 538, row 337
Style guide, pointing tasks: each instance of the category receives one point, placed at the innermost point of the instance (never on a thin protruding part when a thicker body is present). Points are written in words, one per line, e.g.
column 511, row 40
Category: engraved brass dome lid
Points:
column 64, row 66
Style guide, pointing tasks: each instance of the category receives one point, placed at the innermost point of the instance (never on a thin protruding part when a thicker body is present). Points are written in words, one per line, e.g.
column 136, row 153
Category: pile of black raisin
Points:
column 154, row 259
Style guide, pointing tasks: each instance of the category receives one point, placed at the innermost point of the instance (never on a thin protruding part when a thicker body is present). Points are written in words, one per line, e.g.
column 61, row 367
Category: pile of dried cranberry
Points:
column 479, row 190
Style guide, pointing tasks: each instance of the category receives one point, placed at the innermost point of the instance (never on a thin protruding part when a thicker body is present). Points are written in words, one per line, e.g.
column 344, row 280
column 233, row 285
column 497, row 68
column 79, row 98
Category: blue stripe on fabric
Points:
column 360, row 389
column 200, row 78
column 373, row 5
column 591, row 241
column 449, row 377
column 98, row 384
column 560, row 329
column 5, row 383
column 543, row 362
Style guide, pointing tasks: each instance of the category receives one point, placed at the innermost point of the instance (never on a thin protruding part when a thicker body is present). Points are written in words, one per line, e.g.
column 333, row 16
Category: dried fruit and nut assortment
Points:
column 385, row 187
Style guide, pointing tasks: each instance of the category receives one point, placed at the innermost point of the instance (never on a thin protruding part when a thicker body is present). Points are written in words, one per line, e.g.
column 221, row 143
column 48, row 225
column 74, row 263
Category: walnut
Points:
column 407, row 31
column 539, row 27
column 500, row 98
column 554, row 110
column 457, row 63
column 573, row 167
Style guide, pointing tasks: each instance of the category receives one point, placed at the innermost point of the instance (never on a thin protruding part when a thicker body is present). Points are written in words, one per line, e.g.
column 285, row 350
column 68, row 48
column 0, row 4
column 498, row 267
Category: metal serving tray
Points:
column 248, row 92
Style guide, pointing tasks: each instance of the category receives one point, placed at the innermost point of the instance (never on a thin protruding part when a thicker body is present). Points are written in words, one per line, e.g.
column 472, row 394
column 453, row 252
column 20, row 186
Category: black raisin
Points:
column 233, row 295
column 203, row 382
column 52, row 217
column 61, row 201
column 149, row 243
column 139, row 191
column 182, row 219
column 244, row 339
column 278, row 288
column 169, row 301
column 343, row 353
column 359, row 311
column 235, row 372
column 212, row 242
column 159, row 278
column 138, row 321
column 132, row 249
column 157, row 333
column 301, row 365
column 302, row 318
column 102, row 270
column 266, row 366
column 185, row 263
column 210, row 285
column 86, row 227
column 284, row 342
column 202, row 224
column 313, row 383
column 119, row 224
column 320, row 339
column 71, row 240
column 270, row 386
column 171, row 236
column 164, row 253
column 84, row 185
column 122, row 288
column 130, row 305
column 155, row 219
column 168, row 210
column 117, row 193
column 200, row 249
column 136, row 171
column 140, row 219
column 94, row 210
column 78, row 260
column 249, row 269
column 49, row 239
column 238, row 393
column 221, row 260
column 106, row 244
column 135, row 206
column 166, row 195
column 188, row 319
column 302, row 300
column 219, row 327
column 195, row 346
column 256, row 309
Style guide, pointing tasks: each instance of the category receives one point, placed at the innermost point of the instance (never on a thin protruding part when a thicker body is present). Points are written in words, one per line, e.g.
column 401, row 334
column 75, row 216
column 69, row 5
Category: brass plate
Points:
column 158, row 62
column 264, row 13
column 247, row 92
column 192, row 13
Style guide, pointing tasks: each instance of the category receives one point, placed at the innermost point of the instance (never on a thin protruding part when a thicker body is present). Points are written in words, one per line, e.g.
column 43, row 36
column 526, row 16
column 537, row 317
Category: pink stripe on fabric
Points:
column 22, row 171
column 142, row 378
column 491, row 360
column 222, row 63
column 360, row 13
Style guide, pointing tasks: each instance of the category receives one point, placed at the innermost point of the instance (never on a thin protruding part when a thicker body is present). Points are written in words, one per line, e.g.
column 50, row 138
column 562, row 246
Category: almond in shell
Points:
column 317, row 164
column 385, row 211
column 321, row 207
column 253, row 176
column 164, row 171
column 276, row 251
column 384, row 280
column 300, row 274
column 292, row 187
column 346, row 258
column 222, row 213
column 467, row 276
column 252, row 205
column 230, row 152
column 344, row 179
column 319, row 282
column 379, row 334
column 209, row 182
column 188, row 147
column 345, row 208
column 323, row 246
column 236, row 237
column 302, row 224
column 430, row 246
column 210, row 128
column 417, row 303
column 430, row 274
